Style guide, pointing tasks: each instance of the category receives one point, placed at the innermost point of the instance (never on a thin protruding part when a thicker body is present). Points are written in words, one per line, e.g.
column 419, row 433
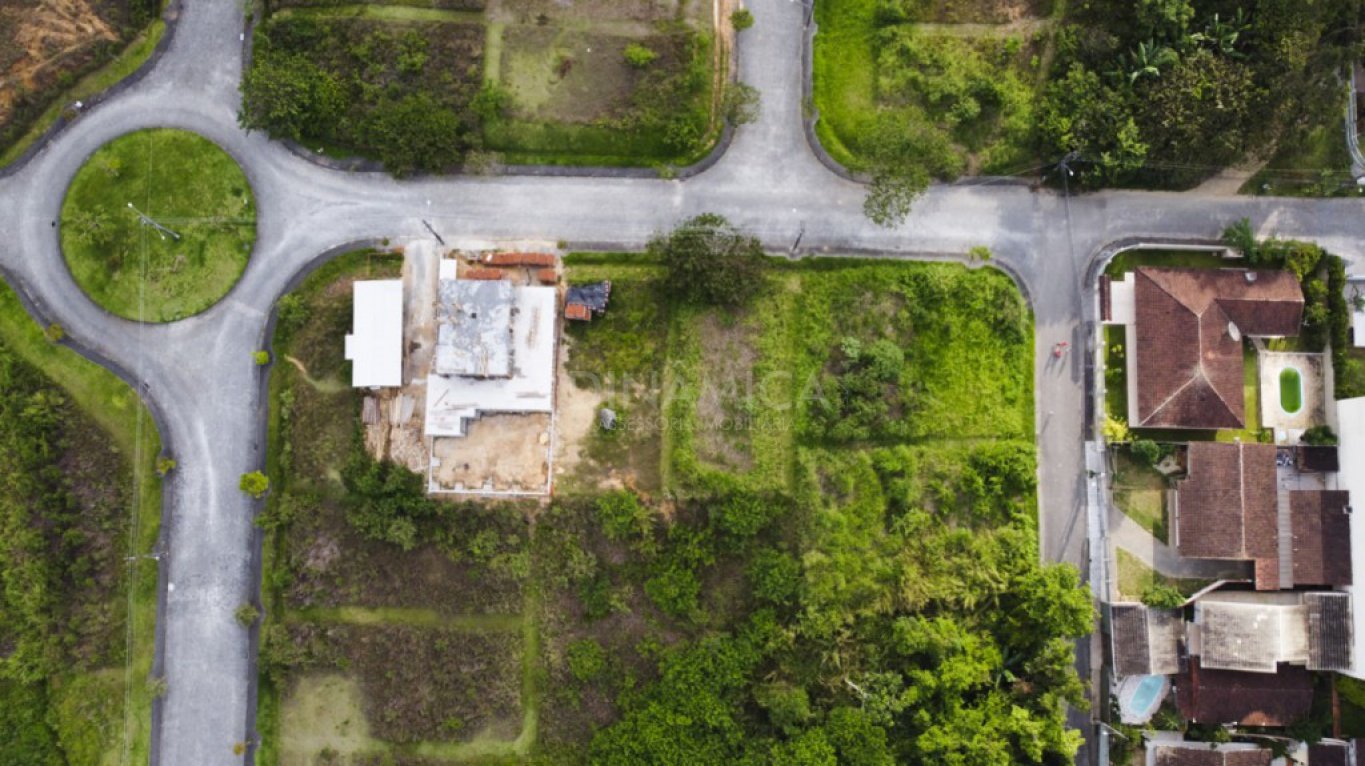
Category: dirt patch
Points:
column 576, row 417
column 726, row 385
column 322, row 712
column 40, row 38
column 501, row 453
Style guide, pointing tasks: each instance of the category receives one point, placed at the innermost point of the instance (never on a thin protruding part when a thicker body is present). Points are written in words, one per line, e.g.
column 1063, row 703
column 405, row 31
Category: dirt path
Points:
column 1228, row 181
column 321, row 386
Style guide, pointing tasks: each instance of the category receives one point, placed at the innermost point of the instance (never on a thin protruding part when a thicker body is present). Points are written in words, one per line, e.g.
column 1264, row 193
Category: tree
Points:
column 742, row 19
column 255, row 484
column 906, row 154
column 587, row 659
column 246, row 615
column 261, row 358
column 288, row 96
column 709, row 261
column 1241, row 237
column 416, row 133
column 1146, row 451
column 1161, row 596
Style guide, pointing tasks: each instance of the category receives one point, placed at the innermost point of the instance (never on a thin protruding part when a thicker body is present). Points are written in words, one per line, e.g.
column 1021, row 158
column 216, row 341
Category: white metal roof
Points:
column 1351, row 456
column 375, row 345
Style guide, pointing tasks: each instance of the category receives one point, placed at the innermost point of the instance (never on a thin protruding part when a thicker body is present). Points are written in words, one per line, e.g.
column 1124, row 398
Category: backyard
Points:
column 513, row 81
column 683, row 542
column 1140, row 492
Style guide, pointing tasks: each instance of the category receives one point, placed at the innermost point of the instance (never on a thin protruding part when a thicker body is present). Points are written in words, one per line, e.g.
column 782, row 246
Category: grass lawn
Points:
column 1136, row 577
column 103, row 715
column 1129, row 260
column 136, row 52
column 187, row 184
column 1140, row 492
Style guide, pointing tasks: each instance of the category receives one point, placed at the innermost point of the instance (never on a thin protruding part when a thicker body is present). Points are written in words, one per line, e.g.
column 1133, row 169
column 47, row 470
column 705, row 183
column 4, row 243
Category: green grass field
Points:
column 1135, row 578
column 103, row 717
column 187, row 185
column 1140, row 492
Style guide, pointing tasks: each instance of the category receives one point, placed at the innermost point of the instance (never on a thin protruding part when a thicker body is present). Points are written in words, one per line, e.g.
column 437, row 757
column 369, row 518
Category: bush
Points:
column 625, row 519
column 1161, row 596
column 246, row 615
column 774, row 576
column 164, row 465
column 385, row 501
column 674, row 590
column 261, row 358
column 742, row 19
column 741, row 105
column 640, row 56
column 1319, row 436
column 587, row 659
column 1146, row 451
column 255, row 484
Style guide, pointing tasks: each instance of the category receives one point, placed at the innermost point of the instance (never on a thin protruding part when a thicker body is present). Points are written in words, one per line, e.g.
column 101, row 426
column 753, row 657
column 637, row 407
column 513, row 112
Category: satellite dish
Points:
column 1233, row 332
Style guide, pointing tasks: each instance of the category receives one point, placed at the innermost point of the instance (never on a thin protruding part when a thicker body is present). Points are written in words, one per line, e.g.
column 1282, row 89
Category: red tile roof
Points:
column 1189, row 365
column 484, row 274
column 546, row 276
column 1247, row 699
column 1322, row 537
column 577, row 311
column 1200, row 754
column 534, row 260
column 1226, row 509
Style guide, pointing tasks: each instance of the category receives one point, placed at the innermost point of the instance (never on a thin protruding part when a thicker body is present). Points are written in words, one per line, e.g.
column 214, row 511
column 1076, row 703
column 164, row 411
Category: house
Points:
column 514, row 260
column 1321, row 528
column 1185, row 354
column 1329, row 752
column 1144, row 641
column 1351, row 453
column 1244, row 699
column 1258, row 632
column 583, row 302
column 495, row 352
column 1226, row 507
column 375, row 344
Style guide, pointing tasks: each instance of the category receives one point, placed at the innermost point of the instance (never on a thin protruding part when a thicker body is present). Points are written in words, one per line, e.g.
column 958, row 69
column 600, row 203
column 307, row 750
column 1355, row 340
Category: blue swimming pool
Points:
column 1140, row 696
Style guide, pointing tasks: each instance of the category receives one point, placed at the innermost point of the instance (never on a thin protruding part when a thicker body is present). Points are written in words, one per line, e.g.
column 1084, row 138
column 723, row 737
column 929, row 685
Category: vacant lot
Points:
column 421, row 85
column 688, row 571
column 47, row 45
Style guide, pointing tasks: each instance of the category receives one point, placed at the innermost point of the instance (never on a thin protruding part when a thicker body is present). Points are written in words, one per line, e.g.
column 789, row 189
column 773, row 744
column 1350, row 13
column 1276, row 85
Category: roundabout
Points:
column 158, row 225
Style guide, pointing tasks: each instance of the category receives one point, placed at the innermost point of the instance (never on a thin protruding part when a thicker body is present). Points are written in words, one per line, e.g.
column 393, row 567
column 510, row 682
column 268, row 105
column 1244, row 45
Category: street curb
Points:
column 170, row 15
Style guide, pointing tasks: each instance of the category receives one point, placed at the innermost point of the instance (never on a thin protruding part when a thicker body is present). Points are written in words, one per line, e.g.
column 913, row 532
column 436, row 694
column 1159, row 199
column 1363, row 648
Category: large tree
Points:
column 710, row 262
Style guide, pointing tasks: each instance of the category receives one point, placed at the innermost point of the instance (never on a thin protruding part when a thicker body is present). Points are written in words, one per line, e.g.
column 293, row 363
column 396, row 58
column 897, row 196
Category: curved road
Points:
column 199, row 376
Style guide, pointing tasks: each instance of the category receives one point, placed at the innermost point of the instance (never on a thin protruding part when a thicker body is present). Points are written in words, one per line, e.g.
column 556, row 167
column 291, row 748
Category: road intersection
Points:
column 199, row 378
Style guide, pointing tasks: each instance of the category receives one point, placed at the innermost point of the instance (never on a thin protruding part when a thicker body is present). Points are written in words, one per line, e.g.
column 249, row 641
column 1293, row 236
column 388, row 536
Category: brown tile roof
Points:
column 534, row 260
column 1322, row 537
column 1189, row 367
column 1200, row 754
column 577, row 311
column 546, row 276
column 1144, row 641
column 1247, row 699
column 1225, row 508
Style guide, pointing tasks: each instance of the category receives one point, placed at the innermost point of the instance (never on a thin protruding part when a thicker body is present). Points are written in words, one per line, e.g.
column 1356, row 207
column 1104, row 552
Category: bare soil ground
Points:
column 502, row 452
column 576, row 417
column 726, row 383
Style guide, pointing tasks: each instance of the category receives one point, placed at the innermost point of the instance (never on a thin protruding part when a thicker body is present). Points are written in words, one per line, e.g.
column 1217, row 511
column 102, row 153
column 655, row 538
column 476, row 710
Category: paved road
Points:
column 198, row 373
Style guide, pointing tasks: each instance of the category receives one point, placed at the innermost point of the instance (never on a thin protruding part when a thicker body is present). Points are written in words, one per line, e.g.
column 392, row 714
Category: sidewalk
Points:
column 1129, row 535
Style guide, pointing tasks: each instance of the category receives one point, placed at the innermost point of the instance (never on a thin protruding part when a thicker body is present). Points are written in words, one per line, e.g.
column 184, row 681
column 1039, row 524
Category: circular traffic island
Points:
column 158, row 225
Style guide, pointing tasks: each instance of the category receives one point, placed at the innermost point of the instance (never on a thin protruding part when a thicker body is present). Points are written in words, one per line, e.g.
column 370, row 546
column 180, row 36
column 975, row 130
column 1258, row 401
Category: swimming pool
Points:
column 1291, row 390
column 1140, row 696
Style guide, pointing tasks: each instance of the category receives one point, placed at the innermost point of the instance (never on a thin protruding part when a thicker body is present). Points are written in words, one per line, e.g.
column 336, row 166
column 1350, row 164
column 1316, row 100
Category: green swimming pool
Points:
column 1291, row 390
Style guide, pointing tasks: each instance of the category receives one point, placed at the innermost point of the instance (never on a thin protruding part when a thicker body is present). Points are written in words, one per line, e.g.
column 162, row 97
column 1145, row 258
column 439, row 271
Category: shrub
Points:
column 156, row 686
column 164, row 465
column 1161, row 596
column 625, row 519
column 1319, row 436
column 261, row 358
column 742, row 19
column 980, row 253
column 246, row 615
column 674, row 590
column 774, row 576
column 1146, row 451
column 54, row 333
column 255, row 484
column 741, row 104
column 639, row 56
column 587, row 659
column 385, row 501
column 1115, row 430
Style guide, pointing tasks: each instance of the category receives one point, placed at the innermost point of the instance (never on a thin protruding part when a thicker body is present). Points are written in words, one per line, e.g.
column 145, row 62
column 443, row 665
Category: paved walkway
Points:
column 1132, row 537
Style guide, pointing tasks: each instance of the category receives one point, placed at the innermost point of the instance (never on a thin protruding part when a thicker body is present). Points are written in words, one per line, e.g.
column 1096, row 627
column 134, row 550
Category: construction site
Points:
column 462, row 361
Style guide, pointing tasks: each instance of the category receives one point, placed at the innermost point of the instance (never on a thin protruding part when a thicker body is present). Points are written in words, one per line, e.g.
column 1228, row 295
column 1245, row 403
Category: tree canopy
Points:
column 709, row 261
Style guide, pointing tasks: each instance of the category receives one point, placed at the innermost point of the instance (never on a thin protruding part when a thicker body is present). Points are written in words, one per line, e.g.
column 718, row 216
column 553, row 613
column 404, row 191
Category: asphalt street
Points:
column 199, row 375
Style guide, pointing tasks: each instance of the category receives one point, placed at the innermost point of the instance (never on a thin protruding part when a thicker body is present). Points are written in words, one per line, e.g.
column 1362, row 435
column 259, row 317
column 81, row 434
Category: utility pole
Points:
column 799, row 234
column 433, row 232
column 147, row 221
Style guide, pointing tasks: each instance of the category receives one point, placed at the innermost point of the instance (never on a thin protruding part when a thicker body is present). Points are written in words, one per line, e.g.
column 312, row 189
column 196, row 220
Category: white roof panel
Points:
column 375, row 345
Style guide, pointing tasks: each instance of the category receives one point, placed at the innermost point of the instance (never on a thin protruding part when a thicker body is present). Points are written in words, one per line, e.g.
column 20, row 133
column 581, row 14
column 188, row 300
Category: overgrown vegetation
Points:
column 77, row 496
column 415, row 92
column 870, row 596
column 40, row 81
